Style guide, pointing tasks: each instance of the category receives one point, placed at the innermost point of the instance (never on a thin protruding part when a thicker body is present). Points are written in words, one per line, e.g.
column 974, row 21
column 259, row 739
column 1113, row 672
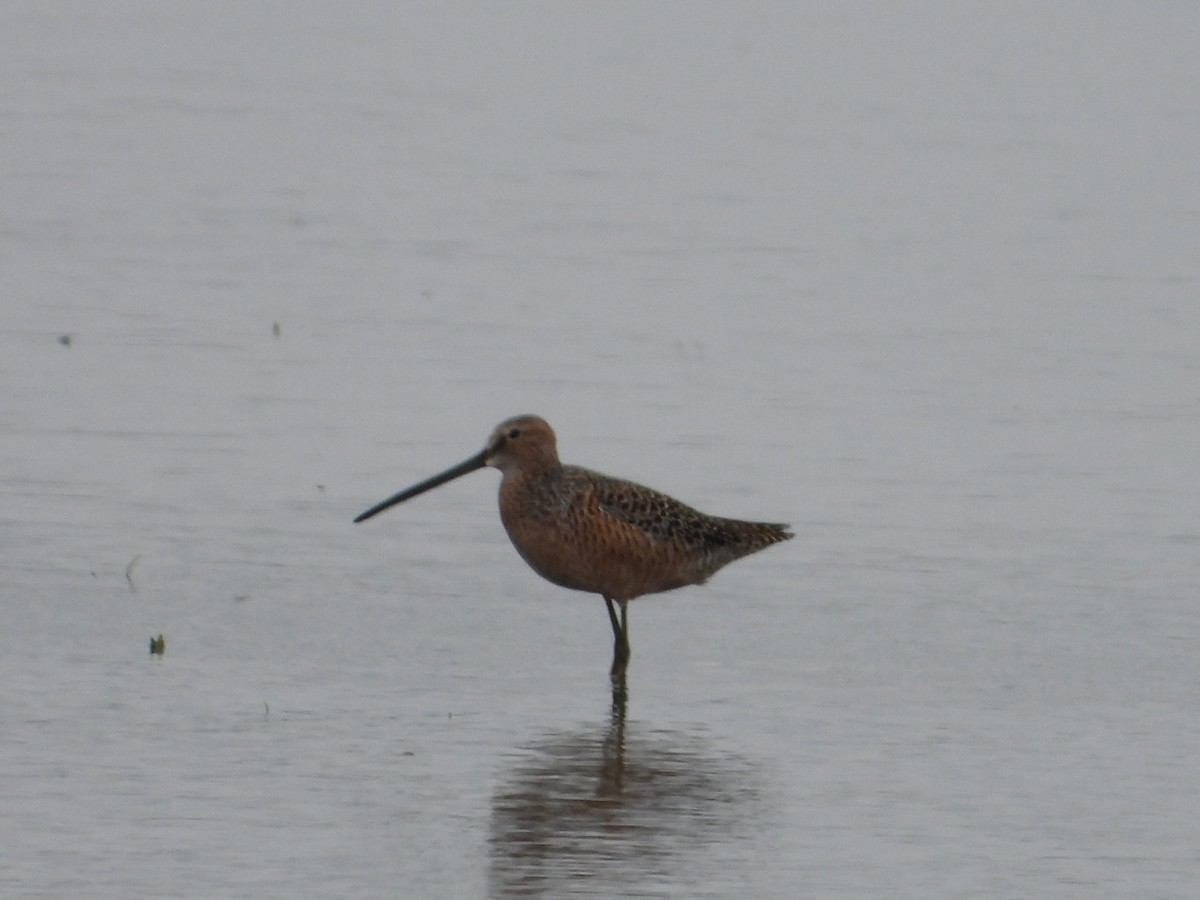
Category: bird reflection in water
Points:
column 612, row 807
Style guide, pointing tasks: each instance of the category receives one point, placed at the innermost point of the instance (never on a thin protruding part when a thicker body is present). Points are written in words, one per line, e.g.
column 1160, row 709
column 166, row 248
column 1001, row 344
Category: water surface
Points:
column 919, row 280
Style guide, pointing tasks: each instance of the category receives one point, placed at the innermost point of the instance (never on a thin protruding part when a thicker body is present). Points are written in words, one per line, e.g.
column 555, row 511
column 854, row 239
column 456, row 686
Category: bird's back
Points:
column 588, row 531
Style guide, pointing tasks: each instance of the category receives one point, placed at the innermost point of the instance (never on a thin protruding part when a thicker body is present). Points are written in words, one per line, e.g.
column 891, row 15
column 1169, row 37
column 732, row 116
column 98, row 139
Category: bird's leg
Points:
column 620, row 628
column 612, row 617
column 624, row 631
column 620, row 635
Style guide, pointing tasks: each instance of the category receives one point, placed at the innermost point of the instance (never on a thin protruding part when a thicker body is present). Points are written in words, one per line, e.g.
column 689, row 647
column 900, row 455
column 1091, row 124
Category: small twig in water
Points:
column 129, row 572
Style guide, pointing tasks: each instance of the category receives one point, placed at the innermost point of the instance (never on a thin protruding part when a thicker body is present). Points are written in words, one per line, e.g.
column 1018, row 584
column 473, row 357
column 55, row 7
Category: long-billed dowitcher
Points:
column 589, row 532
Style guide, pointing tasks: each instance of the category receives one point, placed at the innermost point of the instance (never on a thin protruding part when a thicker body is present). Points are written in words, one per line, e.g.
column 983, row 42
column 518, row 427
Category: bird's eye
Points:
column 514, row 433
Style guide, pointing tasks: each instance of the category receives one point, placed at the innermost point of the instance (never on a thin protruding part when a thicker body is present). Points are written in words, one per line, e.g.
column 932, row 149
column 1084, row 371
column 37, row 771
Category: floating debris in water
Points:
column 65, row 340
column 158, row 645
column 275, row 329
column 129, row 572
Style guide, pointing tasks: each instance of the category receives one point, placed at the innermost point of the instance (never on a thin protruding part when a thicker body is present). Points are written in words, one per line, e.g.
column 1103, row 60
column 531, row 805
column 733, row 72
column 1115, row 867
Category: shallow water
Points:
column 920, row 281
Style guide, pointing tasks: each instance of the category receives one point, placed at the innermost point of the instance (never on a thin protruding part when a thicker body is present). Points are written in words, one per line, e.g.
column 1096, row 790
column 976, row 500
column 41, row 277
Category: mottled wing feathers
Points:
column 664, row 519
column 590, row 532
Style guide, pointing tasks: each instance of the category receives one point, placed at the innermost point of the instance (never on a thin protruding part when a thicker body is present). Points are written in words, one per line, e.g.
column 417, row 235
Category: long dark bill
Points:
column 478, row 461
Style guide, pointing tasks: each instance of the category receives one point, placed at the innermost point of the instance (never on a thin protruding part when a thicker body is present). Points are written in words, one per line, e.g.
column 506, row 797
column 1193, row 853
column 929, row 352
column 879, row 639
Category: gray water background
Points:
column 919, row 278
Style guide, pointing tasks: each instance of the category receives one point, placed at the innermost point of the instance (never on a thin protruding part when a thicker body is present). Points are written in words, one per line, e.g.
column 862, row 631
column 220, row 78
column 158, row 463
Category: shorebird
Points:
column 590, row 532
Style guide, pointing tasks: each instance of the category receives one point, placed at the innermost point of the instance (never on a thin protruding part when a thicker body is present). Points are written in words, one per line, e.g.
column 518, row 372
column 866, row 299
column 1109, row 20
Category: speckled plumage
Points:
column 589, row 532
